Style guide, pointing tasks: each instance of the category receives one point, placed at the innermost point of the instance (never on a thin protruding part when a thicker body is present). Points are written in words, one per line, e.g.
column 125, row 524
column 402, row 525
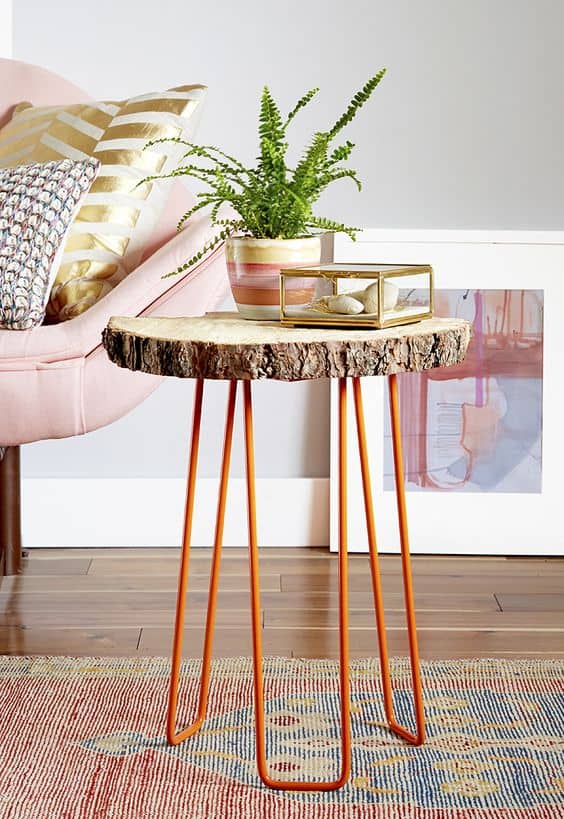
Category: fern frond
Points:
column 340, row 173
column 207, row 151
column 215, row 212
column 330, row 226
column 341, row 153
column 313, row 159
column 160, row 140
column 301, row 103
column 357, row 102
column 234, row 224
column 204, row 250
column 270, row 119
column 273, row 157
column 184, row 170
column 194, row 209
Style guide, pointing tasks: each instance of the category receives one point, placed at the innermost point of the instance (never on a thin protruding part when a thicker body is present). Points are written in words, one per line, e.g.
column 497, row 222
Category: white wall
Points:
column 466, row 131
column 6, row 28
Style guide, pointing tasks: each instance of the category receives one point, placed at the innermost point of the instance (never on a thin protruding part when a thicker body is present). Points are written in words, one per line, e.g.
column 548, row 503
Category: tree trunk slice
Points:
column 225, row 346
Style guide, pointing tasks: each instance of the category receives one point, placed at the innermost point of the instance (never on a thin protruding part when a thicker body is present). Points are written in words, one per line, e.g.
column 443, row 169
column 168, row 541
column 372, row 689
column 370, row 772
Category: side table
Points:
column 224, row 346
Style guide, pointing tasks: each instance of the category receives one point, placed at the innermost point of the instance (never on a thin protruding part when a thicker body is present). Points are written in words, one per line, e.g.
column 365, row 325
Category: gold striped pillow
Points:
column 117, row 220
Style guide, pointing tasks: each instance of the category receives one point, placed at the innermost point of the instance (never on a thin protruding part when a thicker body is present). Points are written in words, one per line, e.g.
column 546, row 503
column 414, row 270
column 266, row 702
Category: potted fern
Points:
column 271, row 224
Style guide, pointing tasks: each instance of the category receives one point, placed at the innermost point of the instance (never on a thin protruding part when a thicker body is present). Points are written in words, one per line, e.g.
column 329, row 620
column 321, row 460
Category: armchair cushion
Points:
column 37, row 205
column 117, row 222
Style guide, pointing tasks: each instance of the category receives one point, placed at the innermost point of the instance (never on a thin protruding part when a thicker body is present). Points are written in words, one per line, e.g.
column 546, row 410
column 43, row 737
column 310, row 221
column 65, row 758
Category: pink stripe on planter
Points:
column 257, row 282
column 273, row 282
column 262, row 269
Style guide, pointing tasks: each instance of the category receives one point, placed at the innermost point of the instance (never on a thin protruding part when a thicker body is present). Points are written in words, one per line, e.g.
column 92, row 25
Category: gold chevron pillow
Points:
column 117, row 219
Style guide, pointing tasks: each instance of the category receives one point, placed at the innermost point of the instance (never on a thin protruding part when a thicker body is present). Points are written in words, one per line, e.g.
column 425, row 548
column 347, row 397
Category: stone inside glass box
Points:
column 362, row 295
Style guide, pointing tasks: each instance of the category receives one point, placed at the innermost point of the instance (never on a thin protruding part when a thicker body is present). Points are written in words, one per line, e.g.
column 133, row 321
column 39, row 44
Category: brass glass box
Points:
column 356, row 295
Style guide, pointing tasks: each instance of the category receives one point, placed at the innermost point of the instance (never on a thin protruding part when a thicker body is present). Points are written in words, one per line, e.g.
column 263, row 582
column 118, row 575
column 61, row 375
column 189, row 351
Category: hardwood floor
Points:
column 121, row 602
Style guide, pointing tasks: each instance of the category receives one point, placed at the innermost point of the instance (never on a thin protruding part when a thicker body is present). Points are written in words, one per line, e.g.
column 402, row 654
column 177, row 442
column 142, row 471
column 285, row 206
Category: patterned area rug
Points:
column 84, row 738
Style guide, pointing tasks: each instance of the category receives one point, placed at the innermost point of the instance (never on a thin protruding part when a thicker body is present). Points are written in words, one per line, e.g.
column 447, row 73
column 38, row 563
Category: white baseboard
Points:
column 148, row 512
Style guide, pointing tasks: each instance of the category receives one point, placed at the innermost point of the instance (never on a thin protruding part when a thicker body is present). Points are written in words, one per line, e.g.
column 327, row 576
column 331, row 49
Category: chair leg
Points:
column 175, row 737
column 256, row 608
column 418, row 737
column 10, row 514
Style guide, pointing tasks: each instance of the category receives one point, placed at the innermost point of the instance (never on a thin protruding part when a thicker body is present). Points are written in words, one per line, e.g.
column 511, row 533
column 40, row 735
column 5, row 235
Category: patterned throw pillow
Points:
column 37, row 205
column 117, row 220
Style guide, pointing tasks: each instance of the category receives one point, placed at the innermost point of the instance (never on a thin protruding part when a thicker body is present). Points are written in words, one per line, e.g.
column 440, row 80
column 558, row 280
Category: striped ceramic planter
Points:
column 254, row 273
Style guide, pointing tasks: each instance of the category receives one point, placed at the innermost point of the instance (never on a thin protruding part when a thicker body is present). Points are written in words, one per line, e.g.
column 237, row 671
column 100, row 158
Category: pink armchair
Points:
column 55, row 380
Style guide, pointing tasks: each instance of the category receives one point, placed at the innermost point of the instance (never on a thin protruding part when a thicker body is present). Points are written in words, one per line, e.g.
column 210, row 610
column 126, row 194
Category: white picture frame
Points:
column 490, row 523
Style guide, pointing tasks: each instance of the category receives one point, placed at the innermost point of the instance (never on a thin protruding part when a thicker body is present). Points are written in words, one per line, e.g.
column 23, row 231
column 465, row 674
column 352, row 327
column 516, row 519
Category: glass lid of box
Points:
column 358, row 295
column 354, row 269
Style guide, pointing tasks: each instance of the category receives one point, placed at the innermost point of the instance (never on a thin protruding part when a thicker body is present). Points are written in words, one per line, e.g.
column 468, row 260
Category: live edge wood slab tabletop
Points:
column 225, row 346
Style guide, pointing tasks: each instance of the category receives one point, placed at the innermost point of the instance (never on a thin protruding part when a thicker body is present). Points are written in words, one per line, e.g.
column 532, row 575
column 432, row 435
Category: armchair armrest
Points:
column 140, row 290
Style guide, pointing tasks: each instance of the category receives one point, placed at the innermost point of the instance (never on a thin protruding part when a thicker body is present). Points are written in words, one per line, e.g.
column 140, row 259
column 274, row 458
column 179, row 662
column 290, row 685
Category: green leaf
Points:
column 270, row 119
column 197, row 257
column 301, row 103
column 330, row 226
column 194, row 209
column 341, row 153
column 340, row 173
column 359, row 99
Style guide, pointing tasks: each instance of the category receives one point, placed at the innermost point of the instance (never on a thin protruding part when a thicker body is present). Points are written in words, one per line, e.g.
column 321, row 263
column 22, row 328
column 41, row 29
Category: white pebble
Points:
column 345, row 305
column 369, row 297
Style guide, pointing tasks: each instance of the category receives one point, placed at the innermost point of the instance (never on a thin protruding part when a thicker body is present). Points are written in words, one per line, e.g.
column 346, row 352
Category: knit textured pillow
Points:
column 118, row 219
column 37, row 205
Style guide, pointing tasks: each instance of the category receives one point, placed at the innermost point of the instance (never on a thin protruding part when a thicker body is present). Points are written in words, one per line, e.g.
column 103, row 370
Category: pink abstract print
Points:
column 477, row 427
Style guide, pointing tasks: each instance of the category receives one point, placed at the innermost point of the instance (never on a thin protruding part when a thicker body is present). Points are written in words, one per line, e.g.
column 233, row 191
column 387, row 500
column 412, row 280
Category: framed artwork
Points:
column 483, row 443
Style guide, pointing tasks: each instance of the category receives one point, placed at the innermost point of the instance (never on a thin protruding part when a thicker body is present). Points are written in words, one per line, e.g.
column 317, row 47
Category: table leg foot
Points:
column 262, row 765
column 418, row 737
column 175, row 736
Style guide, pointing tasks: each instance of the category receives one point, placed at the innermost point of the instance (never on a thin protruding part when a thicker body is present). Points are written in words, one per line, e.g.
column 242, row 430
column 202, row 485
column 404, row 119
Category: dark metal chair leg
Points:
column 10, row 512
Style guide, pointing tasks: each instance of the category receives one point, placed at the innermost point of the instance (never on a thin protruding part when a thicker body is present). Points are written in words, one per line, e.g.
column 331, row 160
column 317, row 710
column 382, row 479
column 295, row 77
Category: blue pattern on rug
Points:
column 484, row 749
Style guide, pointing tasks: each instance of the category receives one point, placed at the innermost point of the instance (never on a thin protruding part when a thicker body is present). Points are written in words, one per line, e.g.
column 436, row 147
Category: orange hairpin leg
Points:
column 418, row 737
column 175, row 737
column 256, row 607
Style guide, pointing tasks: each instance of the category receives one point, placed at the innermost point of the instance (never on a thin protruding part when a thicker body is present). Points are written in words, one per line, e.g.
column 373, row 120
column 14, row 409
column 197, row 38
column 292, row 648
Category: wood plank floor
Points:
column 121, row 602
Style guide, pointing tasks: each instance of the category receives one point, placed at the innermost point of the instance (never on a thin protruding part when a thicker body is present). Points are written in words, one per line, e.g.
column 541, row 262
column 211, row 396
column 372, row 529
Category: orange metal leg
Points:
column 256, row 608
column 175, row 737
column 419, row 737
